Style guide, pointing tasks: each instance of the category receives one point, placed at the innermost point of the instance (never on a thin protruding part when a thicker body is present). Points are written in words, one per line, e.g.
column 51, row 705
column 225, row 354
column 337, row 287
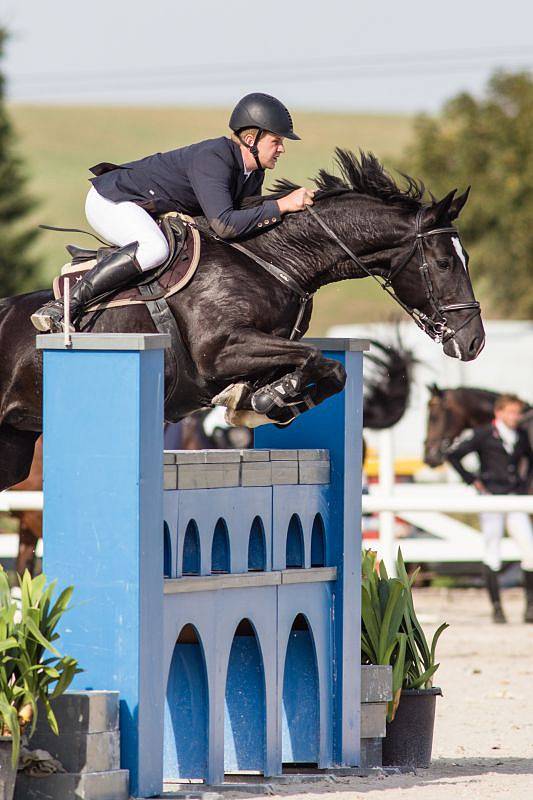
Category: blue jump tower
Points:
column 218, row 592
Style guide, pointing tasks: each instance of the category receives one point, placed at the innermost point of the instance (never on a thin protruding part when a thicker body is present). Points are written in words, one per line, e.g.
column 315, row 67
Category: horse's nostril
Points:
column 474, row 345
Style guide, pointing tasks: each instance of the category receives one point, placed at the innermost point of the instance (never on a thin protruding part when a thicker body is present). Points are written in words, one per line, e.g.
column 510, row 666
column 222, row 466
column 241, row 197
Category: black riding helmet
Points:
column 264, row 112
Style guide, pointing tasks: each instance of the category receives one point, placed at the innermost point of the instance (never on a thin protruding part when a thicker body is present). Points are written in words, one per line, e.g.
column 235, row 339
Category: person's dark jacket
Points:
column 206, row 178
column 500, row 472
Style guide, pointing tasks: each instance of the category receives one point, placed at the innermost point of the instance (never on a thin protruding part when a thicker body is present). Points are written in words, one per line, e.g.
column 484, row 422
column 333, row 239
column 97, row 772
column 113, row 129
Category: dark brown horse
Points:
column 452, row 411
column 236, row 319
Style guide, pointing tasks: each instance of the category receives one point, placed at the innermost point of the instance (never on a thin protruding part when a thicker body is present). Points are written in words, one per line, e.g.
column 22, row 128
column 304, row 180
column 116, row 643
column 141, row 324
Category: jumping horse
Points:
column 241, row 317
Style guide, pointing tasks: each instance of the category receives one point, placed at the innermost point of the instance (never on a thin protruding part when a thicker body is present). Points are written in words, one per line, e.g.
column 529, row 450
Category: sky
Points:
column 339, row 55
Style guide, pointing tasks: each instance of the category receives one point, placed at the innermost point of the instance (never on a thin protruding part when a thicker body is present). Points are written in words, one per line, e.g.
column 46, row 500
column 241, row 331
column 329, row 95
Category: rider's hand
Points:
column 297, row 200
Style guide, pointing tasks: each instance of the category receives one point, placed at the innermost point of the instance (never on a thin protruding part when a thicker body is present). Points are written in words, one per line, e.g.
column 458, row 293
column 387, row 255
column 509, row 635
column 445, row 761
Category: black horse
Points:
column 236, row 319
column 452, row 411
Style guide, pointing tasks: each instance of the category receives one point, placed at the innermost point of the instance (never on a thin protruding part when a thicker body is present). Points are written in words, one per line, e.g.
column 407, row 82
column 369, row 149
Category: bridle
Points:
column 435, row 326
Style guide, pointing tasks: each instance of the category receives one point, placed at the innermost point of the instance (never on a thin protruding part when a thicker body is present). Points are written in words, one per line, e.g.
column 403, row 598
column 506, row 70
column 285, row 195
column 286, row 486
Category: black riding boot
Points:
column 528, row 586
column 112, row 272
column 491, row 582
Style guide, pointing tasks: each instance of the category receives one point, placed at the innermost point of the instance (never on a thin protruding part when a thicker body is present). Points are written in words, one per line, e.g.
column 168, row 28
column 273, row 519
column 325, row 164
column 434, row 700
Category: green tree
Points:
column 17, row 265
column 488, row 143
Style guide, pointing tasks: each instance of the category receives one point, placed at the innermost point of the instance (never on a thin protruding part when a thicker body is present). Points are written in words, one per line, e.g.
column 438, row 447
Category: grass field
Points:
column 58, row 145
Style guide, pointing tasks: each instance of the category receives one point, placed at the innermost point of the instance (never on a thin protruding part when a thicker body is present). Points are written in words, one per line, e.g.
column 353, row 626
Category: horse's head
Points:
column 444, row 423
column 430, row 275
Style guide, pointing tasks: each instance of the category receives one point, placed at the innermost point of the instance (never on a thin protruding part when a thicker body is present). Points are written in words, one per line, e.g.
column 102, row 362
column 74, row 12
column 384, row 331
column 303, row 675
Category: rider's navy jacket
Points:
column 204, row 178
column 500, row 472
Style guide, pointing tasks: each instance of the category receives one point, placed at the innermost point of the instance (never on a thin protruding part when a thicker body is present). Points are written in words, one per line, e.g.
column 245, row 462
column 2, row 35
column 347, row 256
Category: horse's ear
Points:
column 458, row 204
column 434, row 390
column 439, row 212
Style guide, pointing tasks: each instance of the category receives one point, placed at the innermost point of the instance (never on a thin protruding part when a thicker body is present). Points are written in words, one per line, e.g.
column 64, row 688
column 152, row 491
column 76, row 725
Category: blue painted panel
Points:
column 300, row 713
column 257, row 547
column 244, row 719
column 294, row 548
column 186, row 715
column 220, row 549
column 191, row 549
column 318, row 543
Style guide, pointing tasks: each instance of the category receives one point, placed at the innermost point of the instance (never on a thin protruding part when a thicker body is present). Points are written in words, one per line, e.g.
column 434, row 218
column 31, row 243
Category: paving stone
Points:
column 90, row 711
column 170, row 477
column 313, row 455
column 313, row 472
column 284, row 472
column 256, row 473
column 81, row 752
column 373, row 719
column 376, row 683
column 255, row 455
column 65, row 786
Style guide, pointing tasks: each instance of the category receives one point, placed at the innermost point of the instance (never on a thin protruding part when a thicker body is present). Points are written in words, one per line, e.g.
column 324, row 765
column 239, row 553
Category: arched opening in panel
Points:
column 244, row 712
column 167, row 552
column 294, row 552
column 220, row 552
column 318, row 543
column 257, row 547
column 191, row 550
column 186, row 710
column 300, row 718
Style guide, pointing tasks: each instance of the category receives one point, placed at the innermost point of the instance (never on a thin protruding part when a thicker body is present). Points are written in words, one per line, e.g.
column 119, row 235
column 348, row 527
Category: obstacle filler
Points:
column 225, row 609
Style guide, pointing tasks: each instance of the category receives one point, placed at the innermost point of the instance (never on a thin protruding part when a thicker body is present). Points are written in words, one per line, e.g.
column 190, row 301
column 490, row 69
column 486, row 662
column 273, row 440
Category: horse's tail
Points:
column 387, row 388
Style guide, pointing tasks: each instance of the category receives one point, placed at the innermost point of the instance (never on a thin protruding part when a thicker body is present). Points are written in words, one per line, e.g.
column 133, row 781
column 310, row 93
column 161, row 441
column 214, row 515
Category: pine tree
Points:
column 18, row 267
column 488, row 142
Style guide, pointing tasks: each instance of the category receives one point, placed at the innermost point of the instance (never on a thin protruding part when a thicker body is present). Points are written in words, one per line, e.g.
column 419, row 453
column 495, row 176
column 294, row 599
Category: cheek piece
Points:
column 253, row 148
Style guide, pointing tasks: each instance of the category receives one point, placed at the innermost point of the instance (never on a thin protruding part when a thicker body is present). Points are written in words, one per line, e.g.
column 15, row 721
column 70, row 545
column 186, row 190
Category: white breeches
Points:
column 123, row 223
column 519, row 528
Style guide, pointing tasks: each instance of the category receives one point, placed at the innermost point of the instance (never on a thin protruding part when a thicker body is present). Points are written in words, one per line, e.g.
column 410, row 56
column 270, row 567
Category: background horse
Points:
column 236, row 319
column 451, row 411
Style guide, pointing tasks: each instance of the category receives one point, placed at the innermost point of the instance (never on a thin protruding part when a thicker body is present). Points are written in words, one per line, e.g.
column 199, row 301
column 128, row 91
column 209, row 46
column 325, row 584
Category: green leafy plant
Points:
column 31, row 668
column 390, row 631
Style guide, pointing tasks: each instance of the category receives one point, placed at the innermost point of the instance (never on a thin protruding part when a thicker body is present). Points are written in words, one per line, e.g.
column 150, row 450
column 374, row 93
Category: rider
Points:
column 211, row 177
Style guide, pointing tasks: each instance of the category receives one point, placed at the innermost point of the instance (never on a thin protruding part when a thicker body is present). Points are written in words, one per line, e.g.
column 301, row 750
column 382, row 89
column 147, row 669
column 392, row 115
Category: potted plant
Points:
column 391, row 632
column 31, row 668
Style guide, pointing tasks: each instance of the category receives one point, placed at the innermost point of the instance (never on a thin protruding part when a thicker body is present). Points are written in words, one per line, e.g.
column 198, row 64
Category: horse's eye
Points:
column 443, row 263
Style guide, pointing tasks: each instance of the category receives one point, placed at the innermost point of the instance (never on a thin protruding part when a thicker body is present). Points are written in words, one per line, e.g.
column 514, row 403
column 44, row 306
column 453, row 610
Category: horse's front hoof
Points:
column 41, row 322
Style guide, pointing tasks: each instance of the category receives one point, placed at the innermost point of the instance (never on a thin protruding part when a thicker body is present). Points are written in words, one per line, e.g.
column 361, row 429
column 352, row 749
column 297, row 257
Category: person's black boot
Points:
column 493, row 588
column 528, row 586
column 113, row 272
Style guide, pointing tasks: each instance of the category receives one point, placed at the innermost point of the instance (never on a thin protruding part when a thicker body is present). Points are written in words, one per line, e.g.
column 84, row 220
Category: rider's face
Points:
column 510, row 414
column 270, row 148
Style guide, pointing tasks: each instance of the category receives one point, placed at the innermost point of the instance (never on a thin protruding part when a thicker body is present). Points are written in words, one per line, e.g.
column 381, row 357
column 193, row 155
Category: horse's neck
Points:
column 300, row 245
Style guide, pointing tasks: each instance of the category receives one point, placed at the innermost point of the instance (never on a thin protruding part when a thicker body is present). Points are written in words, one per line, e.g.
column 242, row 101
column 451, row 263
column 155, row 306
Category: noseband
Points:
column 435, row 326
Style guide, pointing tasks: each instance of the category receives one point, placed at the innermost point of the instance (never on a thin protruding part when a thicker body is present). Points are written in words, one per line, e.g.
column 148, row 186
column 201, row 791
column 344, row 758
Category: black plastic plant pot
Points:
column 409, row 736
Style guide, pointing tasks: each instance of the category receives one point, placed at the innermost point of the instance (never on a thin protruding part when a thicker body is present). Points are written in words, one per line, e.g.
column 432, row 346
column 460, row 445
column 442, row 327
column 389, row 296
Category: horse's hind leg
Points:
column 28, row 542
column 16, row 454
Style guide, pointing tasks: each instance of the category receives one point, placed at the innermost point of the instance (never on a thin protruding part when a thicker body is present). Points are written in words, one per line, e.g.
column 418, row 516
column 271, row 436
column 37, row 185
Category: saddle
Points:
column 157, row 284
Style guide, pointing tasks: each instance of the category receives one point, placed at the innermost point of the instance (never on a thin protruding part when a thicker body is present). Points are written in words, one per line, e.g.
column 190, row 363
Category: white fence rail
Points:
column 21, row 501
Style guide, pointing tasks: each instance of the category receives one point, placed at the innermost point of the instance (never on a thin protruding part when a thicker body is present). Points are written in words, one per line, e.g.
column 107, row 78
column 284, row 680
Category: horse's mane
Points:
column 363, row 175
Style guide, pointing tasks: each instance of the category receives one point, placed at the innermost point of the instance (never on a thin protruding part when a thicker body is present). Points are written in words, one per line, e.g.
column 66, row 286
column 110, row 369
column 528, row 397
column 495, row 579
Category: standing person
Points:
column 211, row 177
column 506, row 467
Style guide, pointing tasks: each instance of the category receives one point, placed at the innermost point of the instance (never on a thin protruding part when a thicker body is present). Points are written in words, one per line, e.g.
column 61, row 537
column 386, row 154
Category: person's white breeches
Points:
column 123, row 223
column 520, row 530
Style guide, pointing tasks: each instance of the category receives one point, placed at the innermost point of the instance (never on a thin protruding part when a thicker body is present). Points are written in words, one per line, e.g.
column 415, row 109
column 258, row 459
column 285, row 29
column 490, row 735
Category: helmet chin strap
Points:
column 253, row 147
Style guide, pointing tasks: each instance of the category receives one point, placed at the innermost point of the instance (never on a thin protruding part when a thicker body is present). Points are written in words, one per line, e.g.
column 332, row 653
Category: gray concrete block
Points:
column 222, row 456
column 170, row 477
column 313, row 472
column 284, row 472
column 169, row 457
column 255, row 455
column 81, row 752
column 371, row 752
column 282, row 455
column 220, row 476
column 376, row 683
column 256, row 473
column 83, row 712
column 65, row 786
column 313, row 455
column 373, row 719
